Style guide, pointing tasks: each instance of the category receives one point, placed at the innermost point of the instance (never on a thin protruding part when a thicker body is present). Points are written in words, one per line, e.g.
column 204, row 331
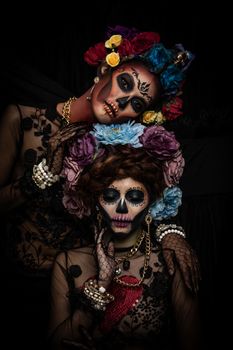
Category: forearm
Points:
column 71, row 329
column 187, row 316
column 11, row 197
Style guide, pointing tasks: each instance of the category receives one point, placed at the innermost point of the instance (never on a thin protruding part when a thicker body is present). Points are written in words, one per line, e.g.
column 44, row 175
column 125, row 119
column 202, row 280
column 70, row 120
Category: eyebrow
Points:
column 143, row 87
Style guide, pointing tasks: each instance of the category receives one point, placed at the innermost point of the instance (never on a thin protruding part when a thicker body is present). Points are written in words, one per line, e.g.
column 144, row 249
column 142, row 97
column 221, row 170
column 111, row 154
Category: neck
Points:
column 127, row 241
column 80, row 109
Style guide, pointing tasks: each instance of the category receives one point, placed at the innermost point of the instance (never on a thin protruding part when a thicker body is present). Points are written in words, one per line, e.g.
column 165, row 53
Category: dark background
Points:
column 44, row 49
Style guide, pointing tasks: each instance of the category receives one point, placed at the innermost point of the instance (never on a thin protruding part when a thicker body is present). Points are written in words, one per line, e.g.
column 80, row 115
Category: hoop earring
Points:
column 148, row 220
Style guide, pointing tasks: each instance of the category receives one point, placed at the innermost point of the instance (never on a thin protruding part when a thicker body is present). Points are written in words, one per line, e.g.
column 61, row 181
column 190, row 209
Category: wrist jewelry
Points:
column 163, row 230
column 42, row 176
column 66, row 110
column 98, row 296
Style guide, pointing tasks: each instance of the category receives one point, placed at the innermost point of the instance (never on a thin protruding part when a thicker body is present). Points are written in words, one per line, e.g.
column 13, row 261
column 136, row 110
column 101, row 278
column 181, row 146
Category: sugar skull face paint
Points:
column 124, row 93
column 124, row 205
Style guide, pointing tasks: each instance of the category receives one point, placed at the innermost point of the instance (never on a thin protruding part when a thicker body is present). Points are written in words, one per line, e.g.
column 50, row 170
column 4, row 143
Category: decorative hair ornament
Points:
column 169, row 65
column 155, row 140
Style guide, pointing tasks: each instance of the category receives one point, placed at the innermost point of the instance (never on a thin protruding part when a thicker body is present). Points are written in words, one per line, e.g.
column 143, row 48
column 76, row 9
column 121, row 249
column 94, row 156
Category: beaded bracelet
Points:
column 163, row 230
column 97, row 295
column 42, row 176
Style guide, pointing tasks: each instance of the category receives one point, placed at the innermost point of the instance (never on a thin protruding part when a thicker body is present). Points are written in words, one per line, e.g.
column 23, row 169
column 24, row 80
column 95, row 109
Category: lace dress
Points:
column 138, row 318
column 37, row 225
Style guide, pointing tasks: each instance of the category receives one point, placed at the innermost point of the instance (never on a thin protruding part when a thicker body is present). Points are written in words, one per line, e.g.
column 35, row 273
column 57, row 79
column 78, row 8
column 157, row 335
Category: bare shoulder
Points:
column 11, row 113
column 30, row 110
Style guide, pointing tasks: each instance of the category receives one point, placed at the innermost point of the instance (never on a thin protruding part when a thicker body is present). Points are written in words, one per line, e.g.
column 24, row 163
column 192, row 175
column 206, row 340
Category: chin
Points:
column 121, row 231
column 104, row 119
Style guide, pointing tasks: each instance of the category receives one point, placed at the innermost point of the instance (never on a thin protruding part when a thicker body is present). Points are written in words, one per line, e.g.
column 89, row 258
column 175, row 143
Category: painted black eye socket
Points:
column 110, row 195
column 135, row 196
column 138, row 104
column 125, row 82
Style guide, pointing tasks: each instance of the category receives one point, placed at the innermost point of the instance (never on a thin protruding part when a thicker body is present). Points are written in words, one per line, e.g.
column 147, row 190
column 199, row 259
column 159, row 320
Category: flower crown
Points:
column 156, row 140
column 168, row 64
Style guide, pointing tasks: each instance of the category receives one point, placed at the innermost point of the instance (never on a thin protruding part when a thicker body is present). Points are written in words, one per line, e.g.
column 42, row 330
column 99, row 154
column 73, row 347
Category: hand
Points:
column 56, row 145
column 105, row 256
column 176, row 249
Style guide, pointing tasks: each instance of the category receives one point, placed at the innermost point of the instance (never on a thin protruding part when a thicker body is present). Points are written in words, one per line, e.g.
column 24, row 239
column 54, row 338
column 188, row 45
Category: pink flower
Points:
column 71, row 171
column 173, row 169
column 74, row 205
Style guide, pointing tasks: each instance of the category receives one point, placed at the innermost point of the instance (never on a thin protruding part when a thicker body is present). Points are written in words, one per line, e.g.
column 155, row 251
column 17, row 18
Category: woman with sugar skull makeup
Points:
column 135, row 73
column 117, row 292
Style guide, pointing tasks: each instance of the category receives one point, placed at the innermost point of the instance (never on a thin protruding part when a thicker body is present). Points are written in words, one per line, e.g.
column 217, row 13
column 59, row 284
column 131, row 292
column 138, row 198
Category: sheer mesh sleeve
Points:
column 10, row 144
column 65, row 324
column 186, row 314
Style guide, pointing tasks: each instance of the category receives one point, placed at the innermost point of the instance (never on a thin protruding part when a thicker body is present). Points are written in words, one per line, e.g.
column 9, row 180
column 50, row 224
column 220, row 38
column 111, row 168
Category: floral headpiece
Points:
column 168, row 64
column 156, row 140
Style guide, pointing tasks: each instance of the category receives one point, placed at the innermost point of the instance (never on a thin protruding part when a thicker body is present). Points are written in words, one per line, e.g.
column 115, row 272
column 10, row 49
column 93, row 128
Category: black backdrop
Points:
column 42, row 59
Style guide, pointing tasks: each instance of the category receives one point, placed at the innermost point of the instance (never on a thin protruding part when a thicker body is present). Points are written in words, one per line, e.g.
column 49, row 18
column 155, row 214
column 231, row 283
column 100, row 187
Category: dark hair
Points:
column 119, row 162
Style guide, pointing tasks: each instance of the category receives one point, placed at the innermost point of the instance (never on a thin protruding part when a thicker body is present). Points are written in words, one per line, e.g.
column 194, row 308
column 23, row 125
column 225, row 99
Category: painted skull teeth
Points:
column 111, row 109
column 121, row 218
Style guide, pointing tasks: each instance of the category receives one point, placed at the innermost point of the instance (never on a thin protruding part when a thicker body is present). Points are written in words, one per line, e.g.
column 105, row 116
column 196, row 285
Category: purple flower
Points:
column 71, row 171
column 159, row 142
column 127, row 33
column 83, row 150
column 173, row 169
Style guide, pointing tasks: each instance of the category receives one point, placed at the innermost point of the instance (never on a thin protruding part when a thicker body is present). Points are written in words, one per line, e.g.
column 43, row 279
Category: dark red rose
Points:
column 172, row 109
column 126, row 48
column 144, row 41
column 95, row 54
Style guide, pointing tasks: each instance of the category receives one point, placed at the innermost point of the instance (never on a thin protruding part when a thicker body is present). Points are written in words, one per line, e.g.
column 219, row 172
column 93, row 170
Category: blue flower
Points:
column 171, row 79
column 158, row 56
column 167, row 206
column 114, row 134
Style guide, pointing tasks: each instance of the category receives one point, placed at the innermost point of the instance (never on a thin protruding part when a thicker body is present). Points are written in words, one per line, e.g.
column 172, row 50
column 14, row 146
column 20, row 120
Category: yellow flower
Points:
column 150, row 117
column 113, row 59
column 113, row 42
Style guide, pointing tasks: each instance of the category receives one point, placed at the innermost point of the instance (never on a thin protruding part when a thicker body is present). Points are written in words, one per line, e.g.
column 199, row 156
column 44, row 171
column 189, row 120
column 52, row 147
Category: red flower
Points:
column 172, row 109
column 95, row 54
column 125, row 49
column 144, row 41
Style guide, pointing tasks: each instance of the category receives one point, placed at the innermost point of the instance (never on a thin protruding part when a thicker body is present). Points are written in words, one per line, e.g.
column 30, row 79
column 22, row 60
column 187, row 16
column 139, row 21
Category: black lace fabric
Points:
column 37, row 226
column 164, row 308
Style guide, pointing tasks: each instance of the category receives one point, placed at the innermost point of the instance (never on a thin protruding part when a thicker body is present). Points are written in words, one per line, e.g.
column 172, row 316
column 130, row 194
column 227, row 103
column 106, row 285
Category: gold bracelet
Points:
column 66, row 109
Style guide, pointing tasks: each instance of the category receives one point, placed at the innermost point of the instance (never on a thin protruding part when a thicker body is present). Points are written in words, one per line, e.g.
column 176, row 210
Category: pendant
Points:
column 118, row 271
column 126, row 265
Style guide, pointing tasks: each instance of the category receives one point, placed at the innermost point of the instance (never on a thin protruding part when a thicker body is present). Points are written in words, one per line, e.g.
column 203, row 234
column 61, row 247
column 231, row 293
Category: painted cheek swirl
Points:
column 143, row 87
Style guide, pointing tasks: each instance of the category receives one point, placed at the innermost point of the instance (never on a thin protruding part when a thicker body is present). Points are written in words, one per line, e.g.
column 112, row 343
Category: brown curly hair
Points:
column 119, row 162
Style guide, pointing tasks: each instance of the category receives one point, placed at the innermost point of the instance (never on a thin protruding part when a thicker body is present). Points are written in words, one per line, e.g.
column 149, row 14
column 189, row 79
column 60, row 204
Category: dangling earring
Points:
column 148, row 220
column 96, row 80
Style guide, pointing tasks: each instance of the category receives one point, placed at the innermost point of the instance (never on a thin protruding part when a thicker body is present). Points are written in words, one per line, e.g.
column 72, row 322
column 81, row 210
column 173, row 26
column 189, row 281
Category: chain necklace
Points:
column 132, row 252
